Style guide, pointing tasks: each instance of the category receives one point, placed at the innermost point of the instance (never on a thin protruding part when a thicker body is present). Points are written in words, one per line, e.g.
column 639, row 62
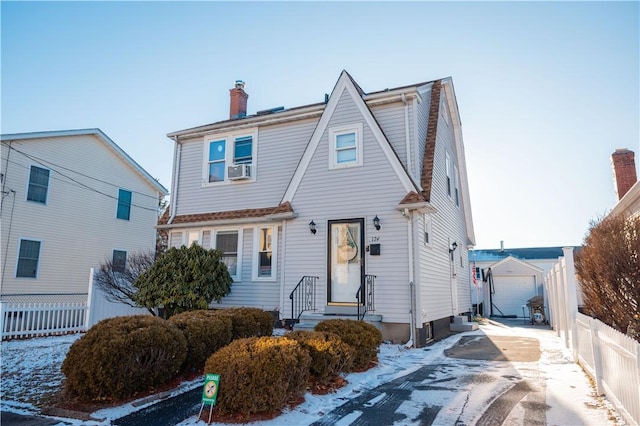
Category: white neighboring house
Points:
column 70, row 200
column 364, row 194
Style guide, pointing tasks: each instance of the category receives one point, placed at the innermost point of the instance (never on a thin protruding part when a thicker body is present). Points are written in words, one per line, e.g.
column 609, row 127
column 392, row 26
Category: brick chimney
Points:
column 238, row 104
column 624, row 171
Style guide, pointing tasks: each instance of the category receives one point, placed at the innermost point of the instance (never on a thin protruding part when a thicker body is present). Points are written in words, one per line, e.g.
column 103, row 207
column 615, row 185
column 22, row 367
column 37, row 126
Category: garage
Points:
column 511, row 292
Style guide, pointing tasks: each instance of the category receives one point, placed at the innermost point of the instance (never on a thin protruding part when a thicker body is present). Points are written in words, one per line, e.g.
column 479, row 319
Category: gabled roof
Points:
column 511, row 259
column 102, row 137
column 531, row 253
column 345, row 83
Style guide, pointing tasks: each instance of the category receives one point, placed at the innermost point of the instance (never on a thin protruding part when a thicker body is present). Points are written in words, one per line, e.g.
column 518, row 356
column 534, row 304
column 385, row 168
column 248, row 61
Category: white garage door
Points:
column 511, row 292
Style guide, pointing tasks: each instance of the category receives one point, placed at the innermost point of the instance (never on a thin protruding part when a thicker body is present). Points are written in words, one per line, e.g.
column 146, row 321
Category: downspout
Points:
column 412, row 290
column 282, row 252
column 406, row 133
column 174, row 182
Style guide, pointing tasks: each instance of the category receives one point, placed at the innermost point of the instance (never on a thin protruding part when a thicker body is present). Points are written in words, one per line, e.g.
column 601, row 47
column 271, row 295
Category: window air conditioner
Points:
column 239, row 171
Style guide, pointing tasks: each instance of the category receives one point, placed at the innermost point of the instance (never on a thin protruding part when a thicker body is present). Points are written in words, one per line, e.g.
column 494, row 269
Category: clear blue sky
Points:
column 546, row 90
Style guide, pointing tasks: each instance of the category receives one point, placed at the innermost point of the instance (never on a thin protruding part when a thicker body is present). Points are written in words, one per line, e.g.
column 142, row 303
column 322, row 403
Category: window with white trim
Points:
column 345, row 146
column 38, row 185
column 428, row 237
column 456, row 192
column 265, row 253
column 448, row 171
column 223, row 151
column 228, row 242
column 28, row 259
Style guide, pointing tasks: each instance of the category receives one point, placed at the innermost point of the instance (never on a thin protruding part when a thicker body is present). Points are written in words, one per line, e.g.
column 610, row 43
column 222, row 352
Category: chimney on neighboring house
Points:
column 624, row 171
column 238, row 104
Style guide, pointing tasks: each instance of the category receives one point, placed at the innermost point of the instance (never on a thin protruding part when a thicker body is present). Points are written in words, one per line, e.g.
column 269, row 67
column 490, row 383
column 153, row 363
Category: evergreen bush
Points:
column 363, row 337
column 329, row 354
column 259, row 374
column 249, row 322
column 121, row 356
column 206, row 332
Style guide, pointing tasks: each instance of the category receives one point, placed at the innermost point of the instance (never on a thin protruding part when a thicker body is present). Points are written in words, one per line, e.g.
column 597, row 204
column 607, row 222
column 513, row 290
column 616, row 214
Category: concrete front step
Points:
column 460, row 323
column 309, row 320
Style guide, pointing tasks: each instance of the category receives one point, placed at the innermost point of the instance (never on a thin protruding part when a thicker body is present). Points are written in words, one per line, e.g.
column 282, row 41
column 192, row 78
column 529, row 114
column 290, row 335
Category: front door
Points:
column 346, row 265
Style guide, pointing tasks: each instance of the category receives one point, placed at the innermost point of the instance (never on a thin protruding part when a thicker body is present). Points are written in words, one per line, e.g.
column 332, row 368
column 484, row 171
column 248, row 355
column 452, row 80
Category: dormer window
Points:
column 226, row 153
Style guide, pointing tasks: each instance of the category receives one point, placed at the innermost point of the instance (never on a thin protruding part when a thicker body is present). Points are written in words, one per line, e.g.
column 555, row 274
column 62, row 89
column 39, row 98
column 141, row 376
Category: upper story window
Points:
column 229, row 157
column 28, row 258
column 449, row 175
column 456, row 186
column 345, row 146
column 119, row 260
column 38, row 185
column 124, row 204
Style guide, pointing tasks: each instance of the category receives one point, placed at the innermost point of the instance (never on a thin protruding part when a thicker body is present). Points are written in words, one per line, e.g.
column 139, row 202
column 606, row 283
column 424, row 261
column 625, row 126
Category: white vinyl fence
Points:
column 611, row 358
column 32, row 319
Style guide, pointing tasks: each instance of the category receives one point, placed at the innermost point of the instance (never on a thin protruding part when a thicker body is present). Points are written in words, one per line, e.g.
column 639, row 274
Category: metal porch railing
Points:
column 366, row 296
column 303, row 298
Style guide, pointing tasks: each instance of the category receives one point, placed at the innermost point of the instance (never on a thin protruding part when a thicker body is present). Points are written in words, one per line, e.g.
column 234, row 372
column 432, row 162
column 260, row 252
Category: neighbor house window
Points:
column 226, row 150
column 346, row 146
column 28, row 257
column 38, row 185
column 124, row 204
column 119, row 260
column 227, row 243
column 265, row 251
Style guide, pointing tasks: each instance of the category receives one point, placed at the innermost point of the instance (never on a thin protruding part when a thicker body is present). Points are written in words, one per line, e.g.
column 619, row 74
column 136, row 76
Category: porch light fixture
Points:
column 454, row 246
column 312, row 227
column 376, row 222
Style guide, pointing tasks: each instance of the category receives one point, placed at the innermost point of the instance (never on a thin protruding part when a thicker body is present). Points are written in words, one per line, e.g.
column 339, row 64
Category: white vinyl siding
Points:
column 278, row 149
column 351, row 193
column 81, row 199
column 434, row 267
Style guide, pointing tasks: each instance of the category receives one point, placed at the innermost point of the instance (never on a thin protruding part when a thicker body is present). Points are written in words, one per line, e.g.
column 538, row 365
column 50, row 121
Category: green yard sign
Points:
column 210, row 390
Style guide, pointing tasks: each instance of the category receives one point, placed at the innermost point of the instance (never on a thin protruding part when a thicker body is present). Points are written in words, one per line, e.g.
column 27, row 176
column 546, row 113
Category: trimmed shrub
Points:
column 329, row 354
column 206, row 332
column 259, row 374
column 249, row 322
column 363, row 337
column 121, row 356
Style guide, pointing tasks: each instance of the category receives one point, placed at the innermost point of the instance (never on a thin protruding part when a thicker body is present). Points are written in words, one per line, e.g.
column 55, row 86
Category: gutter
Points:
column 174, row 182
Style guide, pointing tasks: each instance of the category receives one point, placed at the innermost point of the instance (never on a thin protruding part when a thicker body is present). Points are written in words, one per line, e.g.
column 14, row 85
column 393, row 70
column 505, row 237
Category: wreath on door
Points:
column 347, row 247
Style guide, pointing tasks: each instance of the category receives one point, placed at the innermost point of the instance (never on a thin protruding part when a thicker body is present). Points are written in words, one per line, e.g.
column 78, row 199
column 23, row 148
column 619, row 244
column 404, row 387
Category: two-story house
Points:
column 356, row 203
column 70, row 200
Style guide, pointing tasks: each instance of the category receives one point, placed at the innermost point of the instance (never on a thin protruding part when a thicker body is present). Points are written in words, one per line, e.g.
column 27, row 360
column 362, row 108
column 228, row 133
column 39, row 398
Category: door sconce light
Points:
column 312, row 227
column 454, row 246
column 376, row 222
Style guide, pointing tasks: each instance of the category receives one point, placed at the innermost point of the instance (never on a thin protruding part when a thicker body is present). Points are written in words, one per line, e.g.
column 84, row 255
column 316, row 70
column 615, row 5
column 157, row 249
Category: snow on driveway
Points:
column 442, row 390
